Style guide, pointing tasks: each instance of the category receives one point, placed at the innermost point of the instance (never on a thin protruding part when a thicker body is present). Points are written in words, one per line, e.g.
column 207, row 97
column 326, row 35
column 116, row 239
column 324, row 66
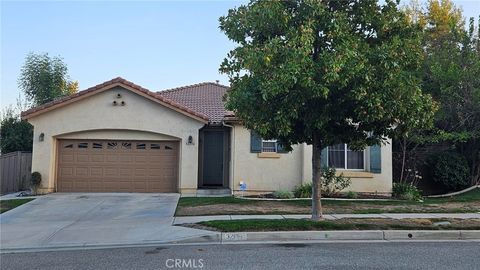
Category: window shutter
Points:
column 375, row 159
column 280, row 148
column 324, row 157
column 255, row 142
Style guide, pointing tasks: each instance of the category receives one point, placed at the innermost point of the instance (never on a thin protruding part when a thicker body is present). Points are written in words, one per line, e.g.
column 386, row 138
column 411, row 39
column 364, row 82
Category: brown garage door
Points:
column 117, row 166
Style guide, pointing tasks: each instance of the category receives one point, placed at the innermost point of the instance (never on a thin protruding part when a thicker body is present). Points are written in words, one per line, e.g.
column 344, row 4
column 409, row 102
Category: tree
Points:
column 15, row 134
column 44, row 78
column 323, row 73
column 450, row 74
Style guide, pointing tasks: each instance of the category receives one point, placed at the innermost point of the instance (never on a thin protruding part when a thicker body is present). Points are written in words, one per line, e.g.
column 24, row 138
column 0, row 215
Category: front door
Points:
column 213, row 158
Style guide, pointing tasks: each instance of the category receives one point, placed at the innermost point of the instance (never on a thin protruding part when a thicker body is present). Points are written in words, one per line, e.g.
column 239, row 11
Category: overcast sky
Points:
column 156, row 44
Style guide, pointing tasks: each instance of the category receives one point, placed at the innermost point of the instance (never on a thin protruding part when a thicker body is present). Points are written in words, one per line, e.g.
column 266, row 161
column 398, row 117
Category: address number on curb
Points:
column 234, row 236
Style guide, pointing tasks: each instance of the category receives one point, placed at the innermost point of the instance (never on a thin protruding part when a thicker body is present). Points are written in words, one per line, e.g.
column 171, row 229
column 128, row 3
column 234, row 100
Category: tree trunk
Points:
column 404, row 153
column 316, row 178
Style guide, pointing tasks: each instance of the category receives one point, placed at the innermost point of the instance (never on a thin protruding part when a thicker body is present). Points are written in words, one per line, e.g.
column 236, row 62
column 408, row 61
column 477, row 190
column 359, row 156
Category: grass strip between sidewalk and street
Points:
column 6, row 205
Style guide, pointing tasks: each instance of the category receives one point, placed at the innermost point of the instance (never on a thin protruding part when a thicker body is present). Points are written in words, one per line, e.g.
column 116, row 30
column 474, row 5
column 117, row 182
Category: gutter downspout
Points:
column 232, row 162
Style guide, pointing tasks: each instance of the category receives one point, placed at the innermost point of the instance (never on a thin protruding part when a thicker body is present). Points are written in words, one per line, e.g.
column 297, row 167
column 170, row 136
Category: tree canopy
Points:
column 44, row 78
column 15, row 134
column 324, row 72
column 450, row 74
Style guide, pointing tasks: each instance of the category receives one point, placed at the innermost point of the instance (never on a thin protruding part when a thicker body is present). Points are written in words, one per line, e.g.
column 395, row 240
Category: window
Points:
column 126, row 145
column 112, row 145
column 269, row 145
column 70, row 145
column 342, row 157
column 154, row 146
column 83, row 145
column 97, row 145
column 141, row 146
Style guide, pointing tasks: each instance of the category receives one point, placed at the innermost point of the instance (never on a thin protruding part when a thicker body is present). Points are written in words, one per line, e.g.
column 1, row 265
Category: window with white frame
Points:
column 342, row 157
column 269, row 145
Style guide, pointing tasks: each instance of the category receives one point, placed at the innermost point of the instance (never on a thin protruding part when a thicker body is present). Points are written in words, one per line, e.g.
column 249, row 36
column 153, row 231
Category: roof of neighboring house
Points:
column 205, row 98
column 110, row 84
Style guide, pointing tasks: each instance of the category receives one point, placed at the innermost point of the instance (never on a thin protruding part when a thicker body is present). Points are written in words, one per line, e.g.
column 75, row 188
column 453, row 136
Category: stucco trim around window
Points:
column 268, row 155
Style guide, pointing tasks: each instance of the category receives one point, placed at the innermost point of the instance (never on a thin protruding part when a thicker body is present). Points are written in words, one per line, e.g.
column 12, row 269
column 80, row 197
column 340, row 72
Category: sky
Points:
column 156, row 44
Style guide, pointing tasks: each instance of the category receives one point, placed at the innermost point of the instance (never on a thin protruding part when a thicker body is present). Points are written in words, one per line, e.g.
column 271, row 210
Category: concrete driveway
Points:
column 93, row 219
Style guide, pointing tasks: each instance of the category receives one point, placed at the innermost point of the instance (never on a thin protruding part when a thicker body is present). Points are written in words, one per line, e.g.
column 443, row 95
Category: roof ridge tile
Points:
column 169, row 90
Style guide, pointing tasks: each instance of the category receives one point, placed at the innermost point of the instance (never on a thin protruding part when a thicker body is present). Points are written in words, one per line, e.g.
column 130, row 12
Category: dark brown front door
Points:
column 117, row 166
column 213, row 158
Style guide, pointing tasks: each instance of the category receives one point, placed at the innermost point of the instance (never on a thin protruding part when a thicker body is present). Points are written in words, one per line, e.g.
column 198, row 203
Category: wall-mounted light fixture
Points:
column 190, row 140
column 41, row 137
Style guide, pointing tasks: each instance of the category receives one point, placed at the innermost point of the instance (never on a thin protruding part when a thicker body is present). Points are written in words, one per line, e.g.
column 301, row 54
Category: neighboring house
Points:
column 120, row 137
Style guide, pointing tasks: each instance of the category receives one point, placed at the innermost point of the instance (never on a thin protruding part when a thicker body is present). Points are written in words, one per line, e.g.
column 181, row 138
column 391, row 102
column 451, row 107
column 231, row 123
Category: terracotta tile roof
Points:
column 205, row 98
column 108, row 85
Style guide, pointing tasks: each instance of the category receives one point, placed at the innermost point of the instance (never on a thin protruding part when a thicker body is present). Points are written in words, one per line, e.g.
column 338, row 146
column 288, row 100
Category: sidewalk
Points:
column 195, row 219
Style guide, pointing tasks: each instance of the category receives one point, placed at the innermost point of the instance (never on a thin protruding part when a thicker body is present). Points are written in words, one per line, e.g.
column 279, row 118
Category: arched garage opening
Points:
column 117, row 161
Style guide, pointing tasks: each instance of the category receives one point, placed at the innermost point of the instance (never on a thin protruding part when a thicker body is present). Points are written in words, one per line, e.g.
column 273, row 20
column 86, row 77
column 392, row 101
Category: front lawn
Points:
column 6, row 205
column 253, row 225
column 197, row 206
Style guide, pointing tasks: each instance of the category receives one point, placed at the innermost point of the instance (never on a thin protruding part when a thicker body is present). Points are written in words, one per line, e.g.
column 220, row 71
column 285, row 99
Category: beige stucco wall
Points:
column 263, row 174
column 294, row 168
column 96, row 118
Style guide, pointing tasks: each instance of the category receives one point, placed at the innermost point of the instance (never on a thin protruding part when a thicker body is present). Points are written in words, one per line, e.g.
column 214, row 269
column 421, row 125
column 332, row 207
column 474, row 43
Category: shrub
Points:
column 282, row 194
column 406, row 191
column 35, row 181
column 450, row 169
column 303, row 191
column 352, row 195
column 331, row 184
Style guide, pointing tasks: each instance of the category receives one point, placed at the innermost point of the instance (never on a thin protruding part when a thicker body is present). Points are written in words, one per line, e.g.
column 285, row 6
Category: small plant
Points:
column 351, row 195
column 331, row 184
column 406, row 191
column 282, row 194
column 35, row 181
column 303, row 191
column 450, row 169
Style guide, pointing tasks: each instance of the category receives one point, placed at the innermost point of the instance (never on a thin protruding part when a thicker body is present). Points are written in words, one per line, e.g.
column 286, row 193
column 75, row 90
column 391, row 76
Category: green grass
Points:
column 252, row 225
column 6, row 205
column 274, row 225
column 471, row 196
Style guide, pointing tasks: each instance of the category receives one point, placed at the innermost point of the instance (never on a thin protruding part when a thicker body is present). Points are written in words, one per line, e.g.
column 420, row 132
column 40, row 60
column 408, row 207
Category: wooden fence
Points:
column 15, row 171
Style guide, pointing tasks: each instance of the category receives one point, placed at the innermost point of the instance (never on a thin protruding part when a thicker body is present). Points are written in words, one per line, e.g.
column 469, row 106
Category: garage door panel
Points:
column 117, row 166
column 97, row 158
column 81, row 171
column 110, row 157
column 82, row 157
column 96, row 171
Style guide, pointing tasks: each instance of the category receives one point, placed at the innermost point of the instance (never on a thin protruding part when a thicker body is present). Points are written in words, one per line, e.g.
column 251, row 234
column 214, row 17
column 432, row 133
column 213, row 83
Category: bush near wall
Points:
column 450, row 170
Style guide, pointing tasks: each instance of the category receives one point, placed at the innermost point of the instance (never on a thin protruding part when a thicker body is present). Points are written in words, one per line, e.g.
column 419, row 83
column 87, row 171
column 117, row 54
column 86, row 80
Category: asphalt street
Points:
column 380, row 255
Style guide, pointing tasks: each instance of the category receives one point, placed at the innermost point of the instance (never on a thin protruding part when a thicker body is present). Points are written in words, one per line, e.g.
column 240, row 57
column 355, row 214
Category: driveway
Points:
column 93, row 219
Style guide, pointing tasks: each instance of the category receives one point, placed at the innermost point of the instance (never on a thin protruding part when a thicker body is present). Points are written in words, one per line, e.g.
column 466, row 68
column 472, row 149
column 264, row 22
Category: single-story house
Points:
column 120, row 137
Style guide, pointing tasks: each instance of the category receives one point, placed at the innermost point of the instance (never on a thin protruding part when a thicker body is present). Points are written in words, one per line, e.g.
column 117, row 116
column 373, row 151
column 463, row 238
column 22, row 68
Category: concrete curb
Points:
column 379, row 235
column 280, row 237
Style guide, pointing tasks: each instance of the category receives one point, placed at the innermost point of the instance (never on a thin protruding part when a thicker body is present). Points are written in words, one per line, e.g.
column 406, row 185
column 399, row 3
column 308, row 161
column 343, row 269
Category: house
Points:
column 120, row 137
